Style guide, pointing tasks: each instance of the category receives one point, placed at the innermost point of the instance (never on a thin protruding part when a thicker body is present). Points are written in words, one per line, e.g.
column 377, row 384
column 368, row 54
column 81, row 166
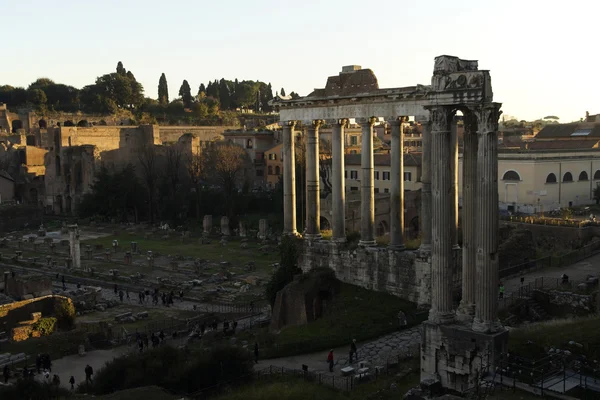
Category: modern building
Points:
column 383, row 184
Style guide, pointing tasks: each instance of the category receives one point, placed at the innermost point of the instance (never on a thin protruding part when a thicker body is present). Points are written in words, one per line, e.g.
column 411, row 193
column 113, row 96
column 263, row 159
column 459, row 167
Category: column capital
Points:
column 367, row 121
column 317, row 123
column 440, row 118
column 487, row 117
column 338, row 121
column 291, row 123
column 396, row 121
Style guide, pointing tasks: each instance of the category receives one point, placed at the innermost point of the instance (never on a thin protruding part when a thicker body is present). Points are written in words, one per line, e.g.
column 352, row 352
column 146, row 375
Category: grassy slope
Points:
column 355, row 313
column 557, row 333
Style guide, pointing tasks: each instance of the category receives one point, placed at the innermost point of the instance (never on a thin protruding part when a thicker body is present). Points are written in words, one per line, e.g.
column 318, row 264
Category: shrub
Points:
column 31, row 389
column 173, row 369
column 65, row 313
column 45, row 325
column 288, row 268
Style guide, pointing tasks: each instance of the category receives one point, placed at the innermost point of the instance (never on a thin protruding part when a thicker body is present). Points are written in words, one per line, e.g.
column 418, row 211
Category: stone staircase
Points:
column 536, row 312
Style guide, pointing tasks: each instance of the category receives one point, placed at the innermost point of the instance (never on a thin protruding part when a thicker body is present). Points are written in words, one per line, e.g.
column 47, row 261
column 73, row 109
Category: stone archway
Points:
column 16, row 125
column 83, row 123
column 42, row 124
column 69, row 123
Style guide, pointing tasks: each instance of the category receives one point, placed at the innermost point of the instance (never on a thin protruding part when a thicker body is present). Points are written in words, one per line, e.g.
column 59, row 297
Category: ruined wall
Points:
column 558, row 302
column 13, row 313
column 170, row 134
column 550, row 235
column 24, row 285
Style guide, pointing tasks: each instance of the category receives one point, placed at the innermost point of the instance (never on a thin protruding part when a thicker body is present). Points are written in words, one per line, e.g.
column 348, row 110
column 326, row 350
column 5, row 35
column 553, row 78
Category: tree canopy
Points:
column 163, row 90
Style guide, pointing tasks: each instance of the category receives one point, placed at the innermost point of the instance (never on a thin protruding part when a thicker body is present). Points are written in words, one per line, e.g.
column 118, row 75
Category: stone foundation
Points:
column 406, row 274
column 457, row 356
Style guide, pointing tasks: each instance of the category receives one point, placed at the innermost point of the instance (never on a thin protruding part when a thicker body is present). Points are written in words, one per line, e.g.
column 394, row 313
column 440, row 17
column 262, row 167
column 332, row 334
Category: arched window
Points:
column 43, row 124
column 277, row 170
column 511, row 176
column 270, row 170
column 583, row 176
column 68, row 123
column 551, row 178
column 567, row 177
column 597, row 175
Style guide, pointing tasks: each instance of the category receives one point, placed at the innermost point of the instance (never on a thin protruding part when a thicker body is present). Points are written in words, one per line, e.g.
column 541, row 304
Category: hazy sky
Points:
column 543, row 54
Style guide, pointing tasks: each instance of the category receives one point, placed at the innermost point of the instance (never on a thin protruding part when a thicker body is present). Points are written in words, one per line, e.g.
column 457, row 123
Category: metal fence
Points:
column 553, row 261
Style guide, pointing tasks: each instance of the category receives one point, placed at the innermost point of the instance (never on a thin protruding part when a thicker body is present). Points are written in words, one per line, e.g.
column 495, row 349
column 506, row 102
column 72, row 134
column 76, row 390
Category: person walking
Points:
column 121, row 295
column 89, row 371
column 330, row 360
column 255, row 352
column 116, row 289
column 127, row 294
column 56, row 380
column 72, row 382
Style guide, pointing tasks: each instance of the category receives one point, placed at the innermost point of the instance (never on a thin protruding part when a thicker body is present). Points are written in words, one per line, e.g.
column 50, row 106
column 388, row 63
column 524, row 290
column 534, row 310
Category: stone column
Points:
column 367, row 190
column 207, row 225
column 338, row 203
column 74, row 246
column 426, row 190
column 313, row 227
column 442, row 217
column 454, row 163
column 397, row 193
column 289, row 179
column 466, row 309
column 486, row 319
column 225, row 226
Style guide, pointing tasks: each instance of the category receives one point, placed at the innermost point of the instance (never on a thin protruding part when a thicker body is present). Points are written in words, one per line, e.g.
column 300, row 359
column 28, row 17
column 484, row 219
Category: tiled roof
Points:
column 565, row 130
column 562, row 144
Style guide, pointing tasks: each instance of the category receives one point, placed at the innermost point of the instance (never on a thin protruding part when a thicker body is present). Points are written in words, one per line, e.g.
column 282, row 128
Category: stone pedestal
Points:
column 263, row 228
column 225, row 226
column 242, row 229
column 207, row 225
column 458, row 356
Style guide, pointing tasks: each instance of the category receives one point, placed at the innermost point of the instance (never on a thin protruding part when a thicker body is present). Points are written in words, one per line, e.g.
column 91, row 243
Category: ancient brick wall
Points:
column 13, row 313
column 402, row 273
column 170, row 134
column 20, row 286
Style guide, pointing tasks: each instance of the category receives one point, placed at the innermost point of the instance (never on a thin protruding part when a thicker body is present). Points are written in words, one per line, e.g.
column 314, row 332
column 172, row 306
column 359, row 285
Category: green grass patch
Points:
column 355, row 313
column 232, row 252
column 557, row 333
column 294, row 388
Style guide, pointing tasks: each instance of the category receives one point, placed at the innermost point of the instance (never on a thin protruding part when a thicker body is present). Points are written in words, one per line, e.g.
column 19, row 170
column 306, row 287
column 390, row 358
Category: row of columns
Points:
column 367, row 232
column 480, row 215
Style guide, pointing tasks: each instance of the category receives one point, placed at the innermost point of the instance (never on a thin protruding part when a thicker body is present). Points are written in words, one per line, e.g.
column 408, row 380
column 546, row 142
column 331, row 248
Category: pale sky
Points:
column 543, row 54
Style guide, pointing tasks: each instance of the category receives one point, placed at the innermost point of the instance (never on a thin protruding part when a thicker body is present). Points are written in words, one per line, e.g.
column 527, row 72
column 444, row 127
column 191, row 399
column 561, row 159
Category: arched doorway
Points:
column 16, row 125
column 68, row 123
column 382, row 228
column 43, row 124
column 83, row 123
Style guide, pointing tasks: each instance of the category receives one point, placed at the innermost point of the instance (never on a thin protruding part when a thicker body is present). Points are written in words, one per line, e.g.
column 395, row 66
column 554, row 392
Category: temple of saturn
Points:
column 461, row 343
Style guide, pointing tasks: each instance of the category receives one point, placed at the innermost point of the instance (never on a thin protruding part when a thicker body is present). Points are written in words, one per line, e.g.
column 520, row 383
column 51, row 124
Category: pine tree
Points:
column 163, row 90
column 201, row 89
column 186, row 93
column 120, row 69
column 224, row 95
column 282, row 92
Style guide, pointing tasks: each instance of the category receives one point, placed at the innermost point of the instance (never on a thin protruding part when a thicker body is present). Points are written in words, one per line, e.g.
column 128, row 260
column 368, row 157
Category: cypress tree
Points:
column 163, row 90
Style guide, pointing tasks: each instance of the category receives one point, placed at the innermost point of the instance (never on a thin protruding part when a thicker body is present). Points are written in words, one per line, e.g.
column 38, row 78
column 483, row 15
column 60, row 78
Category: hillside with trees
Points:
column 217, row 102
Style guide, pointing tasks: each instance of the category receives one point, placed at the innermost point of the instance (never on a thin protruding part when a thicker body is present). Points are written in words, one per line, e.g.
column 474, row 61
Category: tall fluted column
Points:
column 466, row 309
column 313, row 206
column 454, row 163
column 486, row 318
column 367, row 194
column 289, row 179
column 337, row 189
column 442, row 217
column 397, row 193
column 426, row 189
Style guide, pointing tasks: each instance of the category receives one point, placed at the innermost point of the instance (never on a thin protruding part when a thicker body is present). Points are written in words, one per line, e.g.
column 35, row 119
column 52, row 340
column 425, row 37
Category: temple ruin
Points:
column 460, row 344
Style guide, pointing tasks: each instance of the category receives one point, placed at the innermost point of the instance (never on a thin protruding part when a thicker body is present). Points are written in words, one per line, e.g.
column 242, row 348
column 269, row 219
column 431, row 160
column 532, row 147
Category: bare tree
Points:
column 225, row 165
column 148, row 160
column 195, row 169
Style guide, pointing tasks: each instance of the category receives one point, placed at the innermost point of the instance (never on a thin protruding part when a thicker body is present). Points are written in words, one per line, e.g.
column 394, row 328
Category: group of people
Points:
column 352, row 354
column 143, row 341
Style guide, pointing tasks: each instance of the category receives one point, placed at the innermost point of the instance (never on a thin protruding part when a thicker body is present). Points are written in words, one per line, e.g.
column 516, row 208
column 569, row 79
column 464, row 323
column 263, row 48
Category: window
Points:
column 345, row 174
column 259, row 172
column 272, row 156
column 270, row 170
column 277, row 170
column 353, row 140
column 249, row 144
column 597, row 175
column 567, row 177
column 511, row 176
column 376, row 190
column 408, row 176
column 353, row 174
column 386, row 190
column 354, row 188
column 583, row 176
column 386, row 175
column 581, row 132
column 551, row 178
column 377, row 175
